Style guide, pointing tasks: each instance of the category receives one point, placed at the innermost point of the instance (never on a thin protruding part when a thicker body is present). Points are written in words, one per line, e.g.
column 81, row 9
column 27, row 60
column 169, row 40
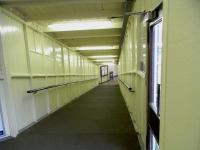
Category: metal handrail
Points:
column 34, row 91
column 127, row 86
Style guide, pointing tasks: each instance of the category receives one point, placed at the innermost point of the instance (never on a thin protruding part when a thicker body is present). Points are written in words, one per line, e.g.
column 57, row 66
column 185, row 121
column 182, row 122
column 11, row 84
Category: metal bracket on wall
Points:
column 127, row 14
column 138, row 13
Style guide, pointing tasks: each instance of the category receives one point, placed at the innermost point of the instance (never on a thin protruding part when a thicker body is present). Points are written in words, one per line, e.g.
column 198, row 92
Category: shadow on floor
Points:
column 98, row 120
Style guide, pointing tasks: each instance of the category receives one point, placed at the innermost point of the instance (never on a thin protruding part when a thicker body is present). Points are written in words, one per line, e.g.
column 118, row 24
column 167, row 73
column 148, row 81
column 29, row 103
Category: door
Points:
column 103, row 73
column 155, row 57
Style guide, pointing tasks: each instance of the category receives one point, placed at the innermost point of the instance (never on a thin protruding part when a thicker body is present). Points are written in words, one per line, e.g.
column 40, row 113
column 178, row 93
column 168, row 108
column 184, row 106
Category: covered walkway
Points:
column 98, row 120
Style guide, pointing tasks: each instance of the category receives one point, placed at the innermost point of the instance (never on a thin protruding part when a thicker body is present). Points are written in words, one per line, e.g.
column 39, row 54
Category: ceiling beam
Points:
column 25, row 3
column 86, row 34
column 99, row 52
column 60, row 15
column 91, row 41
column 99, row 43
column 89, row 36
column 104, row 58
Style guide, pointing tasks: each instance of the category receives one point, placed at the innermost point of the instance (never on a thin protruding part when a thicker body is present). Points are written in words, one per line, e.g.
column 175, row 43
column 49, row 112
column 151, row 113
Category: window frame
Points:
column 153, row 119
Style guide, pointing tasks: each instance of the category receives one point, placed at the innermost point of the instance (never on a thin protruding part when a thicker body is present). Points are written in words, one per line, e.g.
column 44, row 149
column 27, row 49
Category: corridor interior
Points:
column 99, row 74
column 97, row 120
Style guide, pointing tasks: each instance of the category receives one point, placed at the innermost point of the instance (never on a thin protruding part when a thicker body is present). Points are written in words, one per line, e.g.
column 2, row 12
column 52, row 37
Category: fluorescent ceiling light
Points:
column 103, row 56
column 104, row 60
column 107, row 63
column 84, row 25
column 97, row 47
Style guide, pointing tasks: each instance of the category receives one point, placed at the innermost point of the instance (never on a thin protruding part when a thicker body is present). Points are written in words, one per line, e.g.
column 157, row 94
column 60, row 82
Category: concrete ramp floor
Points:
column 98, row 120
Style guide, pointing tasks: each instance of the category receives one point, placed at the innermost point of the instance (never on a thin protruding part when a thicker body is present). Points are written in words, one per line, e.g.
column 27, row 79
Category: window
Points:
column 155, row 59
column 1, row 123
column 153, row 144
column 1, row 126
column 156, row 50
column 104, row 70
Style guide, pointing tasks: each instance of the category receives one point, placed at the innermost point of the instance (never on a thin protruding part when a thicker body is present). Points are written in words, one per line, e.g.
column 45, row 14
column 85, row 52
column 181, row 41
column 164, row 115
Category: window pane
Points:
column 156, row 65
column 1, row 125
column 153, row 143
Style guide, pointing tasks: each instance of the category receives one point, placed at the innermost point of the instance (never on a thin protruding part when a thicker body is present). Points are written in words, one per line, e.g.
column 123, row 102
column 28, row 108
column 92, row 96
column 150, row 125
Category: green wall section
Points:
column 33, row 60
column 180, row 113
column 133, row 54
column 180, row 117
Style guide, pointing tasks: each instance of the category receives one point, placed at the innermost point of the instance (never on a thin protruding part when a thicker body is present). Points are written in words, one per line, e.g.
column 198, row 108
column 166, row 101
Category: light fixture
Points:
column 107, row 63
column 103, row 56
column 104, row 60
column 84, row 25
column 105, row 47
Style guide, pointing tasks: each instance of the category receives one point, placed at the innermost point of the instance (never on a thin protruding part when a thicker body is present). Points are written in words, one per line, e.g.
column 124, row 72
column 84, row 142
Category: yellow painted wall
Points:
column 180, row 113
column 180, row 100
column 34, row 60
column 134, row 52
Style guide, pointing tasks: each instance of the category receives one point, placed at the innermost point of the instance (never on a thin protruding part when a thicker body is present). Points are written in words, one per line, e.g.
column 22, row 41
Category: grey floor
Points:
column 98, row 120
